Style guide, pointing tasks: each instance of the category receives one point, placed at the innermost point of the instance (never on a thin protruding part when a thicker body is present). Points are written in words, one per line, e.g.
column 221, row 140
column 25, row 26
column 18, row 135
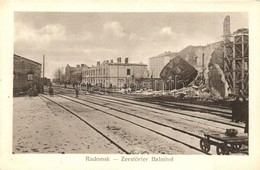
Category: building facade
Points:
column 74, row 74
column 26, row 73
column 157, row 63
column 110, row 74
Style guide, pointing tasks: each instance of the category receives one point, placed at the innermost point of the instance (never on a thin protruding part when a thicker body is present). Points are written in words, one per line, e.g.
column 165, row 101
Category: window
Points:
column 128, row 72
column 196, row 60
column 30, row 77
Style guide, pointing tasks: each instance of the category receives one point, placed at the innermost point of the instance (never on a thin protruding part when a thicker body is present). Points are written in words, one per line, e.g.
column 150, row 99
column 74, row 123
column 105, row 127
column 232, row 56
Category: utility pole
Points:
column 43, row 69
column 203, row 67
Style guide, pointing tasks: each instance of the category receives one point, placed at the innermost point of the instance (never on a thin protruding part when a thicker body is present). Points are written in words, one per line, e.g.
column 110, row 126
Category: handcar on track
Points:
column 225, row 144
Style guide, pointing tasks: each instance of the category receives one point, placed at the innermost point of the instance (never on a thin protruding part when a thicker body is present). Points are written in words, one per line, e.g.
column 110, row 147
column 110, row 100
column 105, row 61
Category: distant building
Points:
column 157, row 63
column 114, row 74
column 73, row 74
column 26, row 73
column 46, row 81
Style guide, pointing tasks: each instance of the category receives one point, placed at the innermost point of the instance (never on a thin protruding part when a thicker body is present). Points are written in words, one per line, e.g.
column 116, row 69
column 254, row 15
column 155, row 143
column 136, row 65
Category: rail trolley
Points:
column 224, row 144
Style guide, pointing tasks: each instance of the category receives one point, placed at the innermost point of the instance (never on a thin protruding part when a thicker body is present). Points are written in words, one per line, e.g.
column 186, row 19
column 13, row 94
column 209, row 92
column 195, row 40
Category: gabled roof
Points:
column 20, row 57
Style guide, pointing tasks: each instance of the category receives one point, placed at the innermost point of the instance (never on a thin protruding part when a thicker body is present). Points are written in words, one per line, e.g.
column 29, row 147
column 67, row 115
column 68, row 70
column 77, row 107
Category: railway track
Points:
column 90, row 125
column 173, row 111
column 161, row 134
column 118, row 110
column 169, row 109
column 208, row 106
column 184, row 106
column 168, row 100
column 213, row 109
column 94, row 101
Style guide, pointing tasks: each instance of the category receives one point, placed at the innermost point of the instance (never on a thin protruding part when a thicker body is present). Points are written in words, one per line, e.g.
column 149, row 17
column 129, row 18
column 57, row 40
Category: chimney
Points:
column 78, row 65
column 98, row 63
column 119, row 59
column 111, row 61
column 126, row 60
column 82, row 65
column 226, row 28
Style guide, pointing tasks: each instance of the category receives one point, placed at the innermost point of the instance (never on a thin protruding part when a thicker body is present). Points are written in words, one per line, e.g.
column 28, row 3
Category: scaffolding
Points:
column 236, row 63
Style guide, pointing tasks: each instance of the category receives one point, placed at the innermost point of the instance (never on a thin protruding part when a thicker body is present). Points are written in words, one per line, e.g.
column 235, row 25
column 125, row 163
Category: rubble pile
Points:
column 198, row 93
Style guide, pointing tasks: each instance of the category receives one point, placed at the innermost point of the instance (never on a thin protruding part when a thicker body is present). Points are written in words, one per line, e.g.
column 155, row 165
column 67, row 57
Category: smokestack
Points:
column 126, row 60
column 119, row 59
column 111, row 61
column 226, row 28
column 98, row 63
column 78, row 65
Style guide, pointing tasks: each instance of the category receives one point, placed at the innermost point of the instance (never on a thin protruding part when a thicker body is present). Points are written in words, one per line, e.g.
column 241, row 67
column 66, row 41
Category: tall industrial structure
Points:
column 236, row 58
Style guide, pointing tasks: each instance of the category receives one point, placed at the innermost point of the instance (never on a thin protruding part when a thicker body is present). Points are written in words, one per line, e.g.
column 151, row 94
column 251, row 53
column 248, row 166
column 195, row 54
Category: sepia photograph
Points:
column 118, row 85
column 131, row 83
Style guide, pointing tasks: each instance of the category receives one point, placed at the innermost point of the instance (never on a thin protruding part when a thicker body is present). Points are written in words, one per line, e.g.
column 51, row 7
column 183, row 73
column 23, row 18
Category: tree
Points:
column 59, row 75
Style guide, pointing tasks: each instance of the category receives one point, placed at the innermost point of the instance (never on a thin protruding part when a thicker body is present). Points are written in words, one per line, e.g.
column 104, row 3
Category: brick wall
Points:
column 22, row 67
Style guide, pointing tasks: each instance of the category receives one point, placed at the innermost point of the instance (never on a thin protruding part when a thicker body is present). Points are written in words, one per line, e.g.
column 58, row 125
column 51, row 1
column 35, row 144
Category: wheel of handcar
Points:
column 236, row 146
column 204, row 145
column 222, row 149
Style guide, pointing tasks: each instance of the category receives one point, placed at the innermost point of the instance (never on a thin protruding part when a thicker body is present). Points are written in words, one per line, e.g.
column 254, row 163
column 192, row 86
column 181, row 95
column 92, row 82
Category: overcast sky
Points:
column 76, row 38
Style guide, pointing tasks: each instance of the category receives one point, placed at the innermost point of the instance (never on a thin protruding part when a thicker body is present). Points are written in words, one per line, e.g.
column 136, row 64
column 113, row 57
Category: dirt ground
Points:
column 41, row 127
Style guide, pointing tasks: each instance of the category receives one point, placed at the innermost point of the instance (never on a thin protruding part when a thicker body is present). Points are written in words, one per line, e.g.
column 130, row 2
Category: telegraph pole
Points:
column 203, row 68
column 43, row 69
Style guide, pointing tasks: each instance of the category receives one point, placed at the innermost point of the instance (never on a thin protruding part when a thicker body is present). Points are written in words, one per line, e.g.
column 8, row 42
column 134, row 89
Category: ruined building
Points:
column 203, row 64
column 236, row 59
column 222, row 67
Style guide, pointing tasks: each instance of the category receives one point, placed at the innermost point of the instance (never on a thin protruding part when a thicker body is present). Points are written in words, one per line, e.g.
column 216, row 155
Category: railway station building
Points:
column 110, row 74
column 26, row 73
